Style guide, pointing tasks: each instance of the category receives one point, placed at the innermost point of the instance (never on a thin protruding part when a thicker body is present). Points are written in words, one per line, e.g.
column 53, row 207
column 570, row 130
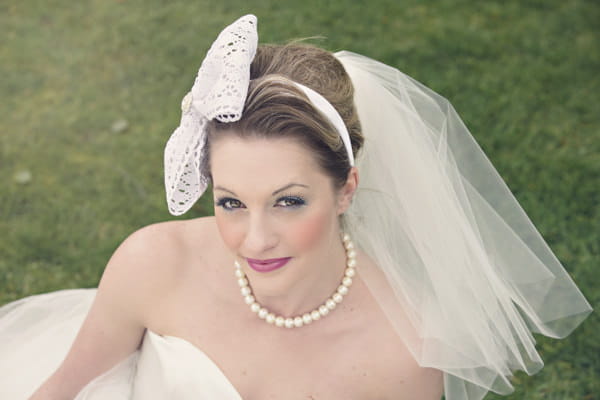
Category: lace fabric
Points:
column 219, row 91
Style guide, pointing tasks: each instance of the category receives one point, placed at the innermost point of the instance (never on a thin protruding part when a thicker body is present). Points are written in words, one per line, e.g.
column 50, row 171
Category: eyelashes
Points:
column 289, row 202
column 228, row 203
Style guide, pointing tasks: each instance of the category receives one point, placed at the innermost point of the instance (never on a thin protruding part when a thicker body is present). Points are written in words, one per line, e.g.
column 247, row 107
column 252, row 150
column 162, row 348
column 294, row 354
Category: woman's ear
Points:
column 346, row 193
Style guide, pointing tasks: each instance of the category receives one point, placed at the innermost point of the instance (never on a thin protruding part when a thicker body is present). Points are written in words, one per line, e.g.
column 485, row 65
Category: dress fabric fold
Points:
column 36, row 333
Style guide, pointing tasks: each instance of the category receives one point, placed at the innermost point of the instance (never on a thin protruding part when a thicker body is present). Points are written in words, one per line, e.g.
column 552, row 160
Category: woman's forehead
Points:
column 262, row 162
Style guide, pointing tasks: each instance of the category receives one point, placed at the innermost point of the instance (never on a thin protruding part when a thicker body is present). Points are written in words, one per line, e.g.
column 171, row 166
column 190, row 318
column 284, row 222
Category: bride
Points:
column 362, row 247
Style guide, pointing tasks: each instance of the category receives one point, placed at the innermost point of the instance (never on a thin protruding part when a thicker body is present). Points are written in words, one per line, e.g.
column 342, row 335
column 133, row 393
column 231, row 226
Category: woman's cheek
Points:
column 230, row 231
column 309, row 231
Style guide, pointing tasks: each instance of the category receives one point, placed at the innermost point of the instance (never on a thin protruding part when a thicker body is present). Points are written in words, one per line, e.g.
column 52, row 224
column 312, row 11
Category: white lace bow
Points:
column 219, row 92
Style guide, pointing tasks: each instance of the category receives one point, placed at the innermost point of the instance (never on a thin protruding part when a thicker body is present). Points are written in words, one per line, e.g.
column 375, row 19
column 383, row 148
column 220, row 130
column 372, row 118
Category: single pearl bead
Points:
column 262, row 313
column 239, row 273
column 249, row 299
column 351, row 263
column 243, row 282
column 270, row 318
column 343, row 290
column 237, row 264
column 298, row 322
column 350, row 272
column 255, row 307
column 279, row 321
column 347, row 281
column 289, row 323
column 245, row 291
column 346, row 237
column 315, row 315
column 330, row 304
column 306, row 318
column 351, row 254
column 337, row 297
column 348, row 245
column 323, row 310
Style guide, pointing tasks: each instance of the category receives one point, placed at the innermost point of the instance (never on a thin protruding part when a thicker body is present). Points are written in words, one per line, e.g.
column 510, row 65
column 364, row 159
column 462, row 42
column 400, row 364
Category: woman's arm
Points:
column 115, row 325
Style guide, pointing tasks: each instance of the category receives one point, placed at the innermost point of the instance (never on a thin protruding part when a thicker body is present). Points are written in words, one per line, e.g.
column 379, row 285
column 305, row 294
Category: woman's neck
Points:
column 312, row 290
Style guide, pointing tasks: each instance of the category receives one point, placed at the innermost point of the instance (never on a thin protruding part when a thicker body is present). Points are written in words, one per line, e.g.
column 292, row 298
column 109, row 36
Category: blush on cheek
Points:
column 310, row 231
column 231, row 233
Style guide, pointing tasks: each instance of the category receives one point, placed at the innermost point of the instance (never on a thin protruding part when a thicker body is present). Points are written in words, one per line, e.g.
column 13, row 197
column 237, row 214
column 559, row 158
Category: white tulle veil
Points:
column 466, row 277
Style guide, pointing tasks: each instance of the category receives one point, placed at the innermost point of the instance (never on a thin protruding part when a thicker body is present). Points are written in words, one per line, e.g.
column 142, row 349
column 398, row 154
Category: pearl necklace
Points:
column 319, row 312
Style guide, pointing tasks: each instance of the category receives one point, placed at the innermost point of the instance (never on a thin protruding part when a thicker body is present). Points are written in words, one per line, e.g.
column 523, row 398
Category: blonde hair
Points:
column 275, row 107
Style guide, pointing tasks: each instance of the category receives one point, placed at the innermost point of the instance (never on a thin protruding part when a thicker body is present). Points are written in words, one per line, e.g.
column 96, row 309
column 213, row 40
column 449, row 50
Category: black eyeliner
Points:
column 300, row 201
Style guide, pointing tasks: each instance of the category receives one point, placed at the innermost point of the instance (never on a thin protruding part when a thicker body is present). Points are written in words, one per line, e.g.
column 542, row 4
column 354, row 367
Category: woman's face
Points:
column 272, row 201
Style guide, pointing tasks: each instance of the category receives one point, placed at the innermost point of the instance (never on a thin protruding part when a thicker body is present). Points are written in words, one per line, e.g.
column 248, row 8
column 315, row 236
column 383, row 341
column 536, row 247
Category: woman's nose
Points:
column 260, row 236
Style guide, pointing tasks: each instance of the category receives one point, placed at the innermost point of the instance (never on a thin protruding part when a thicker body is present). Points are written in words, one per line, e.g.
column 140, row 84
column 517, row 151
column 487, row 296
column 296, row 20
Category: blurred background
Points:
column 91, row 91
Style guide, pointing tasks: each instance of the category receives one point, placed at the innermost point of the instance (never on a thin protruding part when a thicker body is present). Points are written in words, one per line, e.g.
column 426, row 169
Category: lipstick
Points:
column 267, row 265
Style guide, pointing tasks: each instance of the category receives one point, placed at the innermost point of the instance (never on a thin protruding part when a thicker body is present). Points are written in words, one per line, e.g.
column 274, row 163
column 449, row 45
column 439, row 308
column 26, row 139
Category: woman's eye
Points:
column 229, row 204
column 290, row 201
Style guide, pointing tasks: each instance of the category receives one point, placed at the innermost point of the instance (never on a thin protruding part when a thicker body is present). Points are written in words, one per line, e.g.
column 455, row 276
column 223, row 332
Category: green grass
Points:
column 523, row 75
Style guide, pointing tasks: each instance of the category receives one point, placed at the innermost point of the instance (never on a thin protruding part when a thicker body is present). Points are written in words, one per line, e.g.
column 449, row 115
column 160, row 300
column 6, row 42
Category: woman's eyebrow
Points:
column 287, row 187
column 272, row 194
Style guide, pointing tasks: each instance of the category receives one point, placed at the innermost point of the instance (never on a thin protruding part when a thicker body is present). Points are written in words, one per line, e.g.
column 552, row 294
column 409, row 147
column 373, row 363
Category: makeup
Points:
column 267, row 265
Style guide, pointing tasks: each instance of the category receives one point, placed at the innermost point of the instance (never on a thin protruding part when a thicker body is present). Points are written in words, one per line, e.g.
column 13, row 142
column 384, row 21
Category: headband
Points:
column 219, row 92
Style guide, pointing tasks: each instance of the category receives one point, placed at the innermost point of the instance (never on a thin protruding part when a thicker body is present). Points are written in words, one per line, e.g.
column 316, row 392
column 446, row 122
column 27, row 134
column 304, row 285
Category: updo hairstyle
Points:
column 275, row 107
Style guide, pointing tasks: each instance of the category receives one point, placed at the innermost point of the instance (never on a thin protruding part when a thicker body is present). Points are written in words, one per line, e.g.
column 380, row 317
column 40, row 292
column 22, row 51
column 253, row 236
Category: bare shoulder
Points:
column 396, row 375
column 169, row 240
column 152, row 257
column 142, row 261
column 149, row 266
column 138, row 276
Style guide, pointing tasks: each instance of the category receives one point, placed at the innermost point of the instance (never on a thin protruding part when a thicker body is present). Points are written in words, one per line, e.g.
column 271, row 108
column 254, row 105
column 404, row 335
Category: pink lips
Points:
column 267, row 265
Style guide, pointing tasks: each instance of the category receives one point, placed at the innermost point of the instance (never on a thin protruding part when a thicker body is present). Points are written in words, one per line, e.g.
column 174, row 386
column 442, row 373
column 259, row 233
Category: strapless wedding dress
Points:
column 36, row 333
